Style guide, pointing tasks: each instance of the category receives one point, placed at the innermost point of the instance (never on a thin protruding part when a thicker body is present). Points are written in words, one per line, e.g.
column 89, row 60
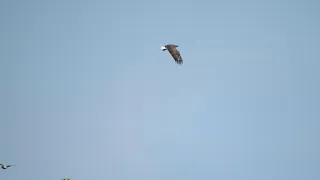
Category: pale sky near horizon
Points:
column 88, row 94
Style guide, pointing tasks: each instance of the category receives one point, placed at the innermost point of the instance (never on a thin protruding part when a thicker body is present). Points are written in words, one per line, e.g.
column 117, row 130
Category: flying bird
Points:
column 4, row 166
column 172, row 48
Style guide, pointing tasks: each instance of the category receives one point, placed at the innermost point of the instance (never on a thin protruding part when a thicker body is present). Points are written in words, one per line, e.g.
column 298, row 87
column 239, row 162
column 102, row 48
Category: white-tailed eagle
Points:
column 172, row 48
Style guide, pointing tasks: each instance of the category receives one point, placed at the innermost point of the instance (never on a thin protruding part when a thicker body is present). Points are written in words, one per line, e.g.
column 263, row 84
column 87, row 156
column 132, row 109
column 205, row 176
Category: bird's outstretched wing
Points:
column 175, row 53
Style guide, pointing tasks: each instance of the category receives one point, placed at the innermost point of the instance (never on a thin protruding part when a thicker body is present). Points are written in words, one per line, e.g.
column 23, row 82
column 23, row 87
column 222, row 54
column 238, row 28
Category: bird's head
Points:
column 163, row 48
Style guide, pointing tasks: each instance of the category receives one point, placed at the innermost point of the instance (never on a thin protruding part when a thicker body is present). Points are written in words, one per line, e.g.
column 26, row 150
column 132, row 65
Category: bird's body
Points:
column 172, row 48
column 4, row 166
column 66, row 179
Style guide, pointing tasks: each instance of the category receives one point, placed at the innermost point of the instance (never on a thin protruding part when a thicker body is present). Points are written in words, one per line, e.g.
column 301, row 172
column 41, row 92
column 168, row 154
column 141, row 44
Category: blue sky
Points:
column 87, row 93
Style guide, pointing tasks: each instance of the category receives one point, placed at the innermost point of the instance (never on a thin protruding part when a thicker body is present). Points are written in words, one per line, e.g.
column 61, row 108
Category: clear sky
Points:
column 87, row 93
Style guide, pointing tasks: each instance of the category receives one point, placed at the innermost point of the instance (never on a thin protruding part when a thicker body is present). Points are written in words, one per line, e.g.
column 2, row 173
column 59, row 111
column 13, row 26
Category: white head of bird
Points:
column 163, row 48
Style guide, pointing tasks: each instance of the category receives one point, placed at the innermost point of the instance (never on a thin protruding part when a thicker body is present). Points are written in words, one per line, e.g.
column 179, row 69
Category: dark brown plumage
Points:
column 172, row 48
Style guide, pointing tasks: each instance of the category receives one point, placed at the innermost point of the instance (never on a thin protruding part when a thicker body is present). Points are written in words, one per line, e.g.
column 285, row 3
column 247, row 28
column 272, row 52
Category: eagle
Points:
column 172, row 48
column 4, row 166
